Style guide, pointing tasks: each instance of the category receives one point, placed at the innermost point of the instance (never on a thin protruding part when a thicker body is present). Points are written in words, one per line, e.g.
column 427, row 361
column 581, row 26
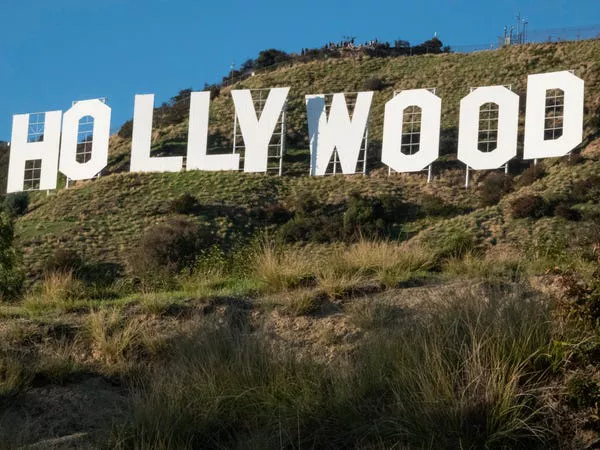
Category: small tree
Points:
column 270, row 57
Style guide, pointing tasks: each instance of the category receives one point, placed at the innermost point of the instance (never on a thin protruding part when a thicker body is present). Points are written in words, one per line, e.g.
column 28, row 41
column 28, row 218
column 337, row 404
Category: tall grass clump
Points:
column 115, row 340
column 466, row 374
column 280, row 268
column 386, row 262
column 490, row 267
column 13, row 376
column 57, row 290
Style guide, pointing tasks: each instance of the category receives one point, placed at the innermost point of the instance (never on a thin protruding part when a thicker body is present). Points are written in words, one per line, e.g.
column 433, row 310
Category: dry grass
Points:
column 340, row 269
column 386, row 262
column 376, row 257
column 115, row 339
column 461, row 377
column 58, row 290
column 281, row 268
column 300, row 302
column 368, row 313
column 58, row 361
column 492, row 266
column 13, row 376
column 336, row 282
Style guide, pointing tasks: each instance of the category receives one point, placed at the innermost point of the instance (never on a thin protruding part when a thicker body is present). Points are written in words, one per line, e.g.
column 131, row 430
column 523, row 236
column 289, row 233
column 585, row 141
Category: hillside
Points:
column 99, row 213
column 232, row 310
column 452, row 74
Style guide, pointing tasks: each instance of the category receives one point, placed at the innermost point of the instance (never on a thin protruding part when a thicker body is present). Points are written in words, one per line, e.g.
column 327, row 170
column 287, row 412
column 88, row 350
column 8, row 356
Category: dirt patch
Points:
column 77, row 410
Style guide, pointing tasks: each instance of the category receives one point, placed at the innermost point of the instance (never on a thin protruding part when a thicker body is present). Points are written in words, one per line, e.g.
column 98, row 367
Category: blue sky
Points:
column 53, row 52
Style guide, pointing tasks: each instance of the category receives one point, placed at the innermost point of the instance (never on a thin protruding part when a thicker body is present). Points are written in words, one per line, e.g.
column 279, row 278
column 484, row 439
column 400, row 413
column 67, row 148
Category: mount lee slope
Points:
column 103, row 219
column 231, row 310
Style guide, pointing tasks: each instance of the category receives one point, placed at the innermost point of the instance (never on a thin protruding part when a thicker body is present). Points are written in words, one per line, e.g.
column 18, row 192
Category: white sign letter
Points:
column 197, row 159
column 257, row 133
column 46, row 149
column 507, row 127
column 141, row 140
column 536, row 145
column 69, row 165
column 336, row 132
column 429, row 139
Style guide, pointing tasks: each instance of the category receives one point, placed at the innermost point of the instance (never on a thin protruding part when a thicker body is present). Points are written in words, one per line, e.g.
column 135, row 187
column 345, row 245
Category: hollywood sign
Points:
column 331, row 129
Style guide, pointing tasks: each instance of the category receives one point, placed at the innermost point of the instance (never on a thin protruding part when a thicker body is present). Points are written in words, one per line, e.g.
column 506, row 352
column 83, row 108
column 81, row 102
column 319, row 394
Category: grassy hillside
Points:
column 229, row 310
column 101, row 219
column 452, row 74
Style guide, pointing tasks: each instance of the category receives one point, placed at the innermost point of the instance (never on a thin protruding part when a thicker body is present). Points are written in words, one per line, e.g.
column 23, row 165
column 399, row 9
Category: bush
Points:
column 126, row 131
column 373, row 216
column 494, row 187
column 11, row 277
column 528, row 205
column 168, row 248
column 17, row 204
column 566, row 212
column 215, row 90
column 273, row 214
column 63, row 260
column 452, row 244
column 184, row 204
column 373, row 84
column 312, row 221
column 529, row 175
column 582, row 392
column 587, row 189
column 363, row 216
column 432, row 205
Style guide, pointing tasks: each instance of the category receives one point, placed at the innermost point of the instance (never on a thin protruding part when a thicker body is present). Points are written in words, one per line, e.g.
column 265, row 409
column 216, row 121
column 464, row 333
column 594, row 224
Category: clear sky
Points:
column 53, row 52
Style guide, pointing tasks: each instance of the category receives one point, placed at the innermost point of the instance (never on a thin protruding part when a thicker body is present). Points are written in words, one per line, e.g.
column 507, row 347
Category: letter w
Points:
column 336, row 132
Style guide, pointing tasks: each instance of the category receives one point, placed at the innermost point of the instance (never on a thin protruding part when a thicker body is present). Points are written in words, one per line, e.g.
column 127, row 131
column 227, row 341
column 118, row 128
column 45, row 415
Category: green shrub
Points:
column 451, row 242
column 363, row 216
column 18, row 203
column 528, row 205
column 582, row 392
column 312, row 221
column 273, row 214
column 64, row 260
column 319, row 228
column 529, row 175
column 215, row 90
column 126, row 131
column 184, row 204
column 373, row 84
column 566, row 212
column 11, row 277
column 586, row 189
column 367, row 216
column 375, row 216
column 169, row 247
column 433, row 205
column 494, row 187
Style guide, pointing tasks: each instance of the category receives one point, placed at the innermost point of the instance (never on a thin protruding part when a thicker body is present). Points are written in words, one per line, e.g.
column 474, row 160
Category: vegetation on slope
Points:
column 227, row 310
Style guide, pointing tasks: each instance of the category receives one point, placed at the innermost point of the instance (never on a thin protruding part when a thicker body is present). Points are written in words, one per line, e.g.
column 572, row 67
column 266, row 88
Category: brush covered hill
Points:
column 232, row 310
column 103, row 218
